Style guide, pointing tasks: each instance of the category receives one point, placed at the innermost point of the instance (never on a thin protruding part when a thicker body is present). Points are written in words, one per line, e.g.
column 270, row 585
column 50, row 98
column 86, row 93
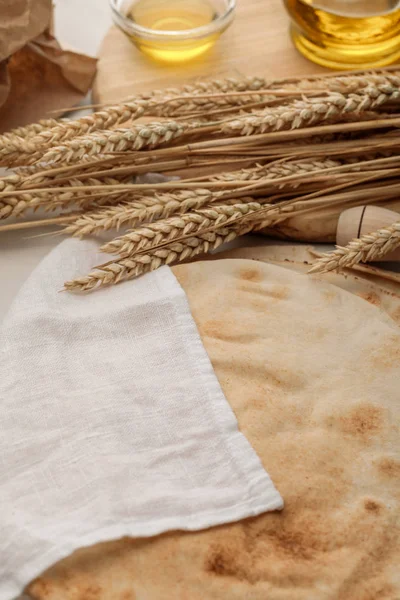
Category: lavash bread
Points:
column 311, row 371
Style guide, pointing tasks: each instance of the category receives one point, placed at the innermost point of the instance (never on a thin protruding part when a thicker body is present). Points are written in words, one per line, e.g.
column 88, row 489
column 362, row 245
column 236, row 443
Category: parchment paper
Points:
column 36, row 75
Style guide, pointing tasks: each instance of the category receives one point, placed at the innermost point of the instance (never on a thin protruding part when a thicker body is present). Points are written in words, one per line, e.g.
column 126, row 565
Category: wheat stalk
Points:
column 348, row 84
column 23, row 200
column 178, row 100
column 141, row 210
column 303, row 113
column 111, row 116
column 366, row 248
column 172, row 102
column 104, row 119
column 200, row 221
column 168, row 230
column 261, row 153
column 104, row 142
column 295, row 115
column 127, row 268
column 231, row 84
column 277, row 171
column 132, row 266
column 9, row 138
column 135, row 138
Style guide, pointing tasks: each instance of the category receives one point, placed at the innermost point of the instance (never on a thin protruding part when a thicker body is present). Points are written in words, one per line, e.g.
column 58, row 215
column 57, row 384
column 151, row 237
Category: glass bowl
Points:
column 173, row 31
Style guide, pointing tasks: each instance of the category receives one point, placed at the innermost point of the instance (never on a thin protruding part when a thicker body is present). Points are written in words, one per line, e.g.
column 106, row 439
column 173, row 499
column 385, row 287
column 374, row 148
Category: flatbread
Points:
column 371, row 287
column 311, row 372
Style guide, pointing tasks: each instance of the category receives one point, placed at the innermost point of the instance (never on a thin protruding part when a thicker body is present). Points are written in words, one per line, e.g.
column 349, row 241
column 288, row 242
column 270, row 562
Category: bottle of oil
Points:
column 347, row 34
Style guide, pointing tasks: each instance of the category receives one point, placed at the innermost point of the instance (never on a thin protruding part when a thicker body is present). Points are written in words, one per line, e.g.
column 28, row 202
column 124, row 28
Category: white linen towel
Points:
column 113, row 422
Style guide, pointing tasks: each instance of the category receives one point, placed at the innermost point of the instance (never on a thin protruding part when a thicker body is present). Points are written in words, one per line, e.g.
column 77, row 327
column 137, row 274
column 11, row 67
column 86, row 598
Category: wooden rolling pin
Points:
column 355, row 222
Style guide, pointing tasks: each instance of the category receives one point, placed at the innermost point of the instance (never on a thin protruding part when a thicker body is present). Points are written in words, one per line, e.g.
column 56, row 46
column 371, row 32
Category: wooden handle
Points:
column 355, row 222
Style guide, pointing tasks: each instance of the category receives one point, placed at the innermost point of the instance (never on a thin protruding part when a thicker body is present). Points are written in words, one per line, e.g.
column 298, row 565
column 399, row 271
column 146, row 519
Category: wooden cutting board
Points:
column 257, row 43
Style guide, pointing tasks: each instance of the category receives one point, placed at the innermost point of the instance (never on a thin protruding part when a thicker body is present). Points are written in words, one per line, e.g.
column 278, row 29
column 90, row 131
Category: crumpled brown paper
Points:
column 36, row 75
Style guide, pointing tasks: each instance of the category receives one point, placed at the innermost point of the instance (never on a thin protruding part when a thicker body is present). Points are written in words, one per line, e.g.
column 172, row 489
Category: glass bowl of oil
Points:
column 173, row 31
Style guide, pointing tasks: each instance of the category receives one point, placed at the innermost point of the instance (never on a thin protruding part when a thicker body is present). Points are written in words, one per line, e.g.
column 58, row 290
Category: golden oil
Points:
column 347, row 34
column 173, row 16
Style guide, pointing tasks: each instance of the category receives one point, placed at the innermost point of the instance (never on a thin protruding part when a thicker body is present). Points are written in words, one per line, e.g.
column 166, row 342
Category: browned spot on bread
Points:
column 279, row 292
column 40, row 588
column 388, row 354
column 290, row 534
column 297, row 544
column 396, row 315
column 258, row 304
column 251, row 274
column 226, row 561
column 265, row 292
column 92, row 592
column 372, row 506
column 258, row 403
column 226, row 331
column 213, row 328
column 128, row 595
column 389, row 467
column 329, row 295
column 377, row 589
column 371, row 297
column 362, row 421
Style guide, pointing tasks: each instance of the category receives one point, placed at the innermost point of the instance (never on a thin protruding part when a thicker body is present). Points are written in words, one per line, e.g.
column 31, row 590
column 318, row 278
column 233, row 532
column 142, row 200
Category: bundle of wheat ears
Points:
column 250, row 154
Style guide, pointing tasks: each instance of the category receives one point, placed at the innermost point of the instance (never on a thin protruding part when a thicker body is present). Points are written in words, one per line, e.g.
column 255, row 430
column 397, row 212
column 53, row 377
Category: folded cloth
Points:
column 113, row 422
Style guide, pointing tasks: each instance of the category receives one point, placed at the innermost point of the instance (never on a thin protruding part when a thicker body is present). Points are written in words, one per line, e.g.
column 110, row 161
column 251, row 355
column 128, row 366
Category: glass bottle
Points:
column 346, row 34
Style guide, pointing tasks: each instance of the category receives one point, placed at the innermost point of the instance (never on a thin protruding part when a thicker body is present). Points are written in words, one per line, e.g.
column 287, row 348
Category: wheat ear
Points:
column 230, row 84
column 303, row 113
column 128, row 214
column 368, row 247
column 168, row 230
column 15, row 206
column 135, row 138
column 28, row 131
column 154, row 104
column 284, row 169
column 142, row 210
column 103, row 119
column 130, row 267
column 349, row 84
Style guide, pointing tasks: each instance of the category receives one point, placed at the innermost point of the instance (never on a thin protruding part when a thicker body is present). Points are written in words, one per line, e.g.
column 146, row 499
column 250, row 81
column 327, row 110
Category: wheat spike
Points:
column 303, row 113
column 245, row 84
column 16, row 150
column 277, row 171
column 135, row 138
column 110, row 217
column 130, row 267
column 18, row 142
column 349, row 84
column 167, row 230
column 103, row 142
column 15, row 206
column 103, row 119
column 142, row 209
column 202, row 105
column 368, row 247
column 19, row 133
column 153, row 104
column 10, row 183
